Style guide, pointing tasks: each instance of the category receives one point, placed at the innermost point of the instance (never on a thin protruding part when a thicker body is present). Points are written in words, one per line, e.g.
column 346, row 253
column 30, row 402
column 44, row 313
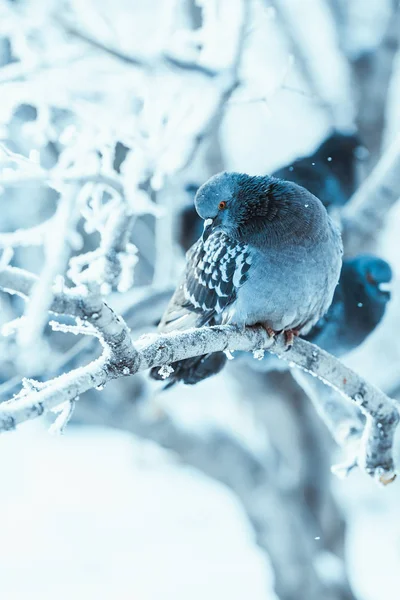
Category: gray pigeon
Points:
column 269, row 255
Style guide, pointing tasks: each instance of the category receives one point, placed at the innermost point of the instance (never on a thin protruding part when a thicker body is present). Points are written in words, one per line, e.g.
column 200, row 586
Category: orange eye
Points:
column 222, row 205
column 370, row 279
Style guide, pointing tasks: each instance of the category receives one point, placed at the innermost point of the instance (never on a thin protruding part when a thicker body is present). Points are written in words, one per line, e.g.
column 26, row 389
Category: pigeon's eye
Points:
column 370, row 279
column 222, row 205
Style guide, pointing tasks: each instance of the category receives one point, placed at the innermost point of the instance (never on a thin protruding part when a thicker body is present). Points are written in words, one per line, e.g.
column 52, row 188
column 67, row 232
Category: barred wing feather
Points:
column 215, row 269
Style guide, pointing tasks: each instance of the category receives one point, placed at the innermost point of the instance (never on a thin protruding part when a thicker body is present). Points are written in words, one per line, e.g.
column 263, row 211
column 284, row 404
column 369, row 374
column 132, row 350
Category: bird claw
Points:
column 289, row 335
column 271, row 332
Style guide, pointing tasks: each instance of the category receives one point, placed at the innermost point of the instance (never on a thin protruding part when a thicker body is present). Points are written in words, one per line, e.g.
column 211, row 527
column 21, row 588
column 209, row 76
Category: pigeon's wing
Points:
column 215, row 269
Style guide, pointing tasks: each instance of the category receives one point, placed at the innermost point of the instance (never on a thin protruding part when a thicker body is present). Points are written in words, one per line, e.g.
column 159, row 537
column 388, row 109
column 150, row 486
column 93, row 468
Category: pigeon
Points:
column 269, row 255
column 330, row 173
column 358, row 305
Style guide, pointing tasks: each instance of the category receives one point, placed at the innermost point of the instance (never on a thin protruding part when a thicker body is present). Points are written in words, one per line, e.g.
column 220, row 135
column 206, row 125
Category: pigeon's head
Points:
column 245, row 206
column 366, row 284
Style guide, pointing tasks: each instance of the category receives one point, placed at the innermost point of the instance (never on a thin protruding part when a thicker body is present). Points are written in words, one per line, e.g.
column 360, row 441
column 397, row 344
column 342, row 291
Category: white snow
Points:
column 93, row 515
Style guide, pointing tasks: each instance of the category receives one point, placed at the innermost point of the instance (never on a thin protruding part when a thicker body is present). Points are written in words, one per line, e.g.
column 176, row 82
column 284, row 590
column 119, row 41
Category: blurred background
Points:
column 221, row 489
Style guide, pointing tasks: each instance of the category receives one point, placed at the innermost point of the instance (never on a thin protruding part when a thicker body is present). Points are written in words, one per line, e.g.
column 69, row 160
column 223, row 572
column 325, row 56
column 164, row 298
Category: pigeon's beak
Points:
column 208, row 227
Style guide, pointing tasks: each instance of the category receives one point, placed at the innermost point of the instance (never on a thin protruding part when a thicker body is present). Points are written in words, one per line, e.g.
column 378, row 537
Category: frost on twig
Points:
column 344, row 420
column 64, row 414
column 111, row 266
column 6, row 257
column 34, row 236
column 121, row 357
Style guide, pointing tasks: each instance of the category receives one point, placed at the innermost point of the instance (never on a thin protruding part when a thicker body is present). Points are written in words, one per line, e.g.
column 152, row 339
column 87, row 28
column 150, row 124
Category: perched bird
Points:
column 358, row 305
column 330, row 173
column 357, row 308
column 269, row 255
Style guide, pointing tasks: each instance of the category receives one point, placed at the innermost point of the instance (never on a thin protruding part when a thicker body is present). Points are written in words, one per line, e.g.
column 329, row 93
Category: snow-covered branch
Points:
column 122, row 357
column 344, row 420
column 110, row 267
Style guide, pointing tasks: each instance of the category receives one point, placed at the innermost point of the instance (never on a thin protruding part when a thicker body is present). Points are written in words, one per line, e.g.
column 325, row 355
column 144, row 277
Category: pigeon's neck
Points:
column 300, row 222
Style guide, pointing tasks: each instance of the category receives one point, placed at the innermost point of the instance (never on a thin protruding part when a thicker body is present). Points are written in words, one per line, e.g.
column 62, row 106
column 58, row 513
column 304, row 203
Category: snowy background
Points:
column 149, row 495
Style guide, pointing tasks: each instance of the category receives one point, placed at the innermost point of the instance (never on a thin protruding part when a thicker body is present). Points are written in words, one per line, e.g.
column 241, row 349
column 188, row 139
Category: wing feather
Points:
column 215, row 269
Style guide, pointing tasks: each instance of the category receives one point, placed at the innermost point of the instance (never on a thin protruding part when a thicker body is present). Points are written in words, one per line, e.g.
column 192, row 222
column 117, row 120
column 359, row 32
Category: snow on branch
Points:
column 121, row 358
column 111, row 266
column 344, row 420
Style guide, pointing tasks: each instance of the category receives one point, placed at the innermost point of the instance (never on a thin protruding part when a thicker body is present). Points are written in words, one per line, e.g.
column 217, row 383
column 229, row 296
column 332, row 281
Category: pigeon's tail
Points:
column 178, row 317
column 191, row 370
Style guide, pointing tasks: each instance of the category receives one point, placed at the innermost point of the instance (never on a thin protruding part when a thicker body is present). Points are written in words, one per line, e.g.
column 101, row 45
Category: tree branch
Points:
column 364, row 216
column 110, row 267
column 344, row 420
column 122, row 358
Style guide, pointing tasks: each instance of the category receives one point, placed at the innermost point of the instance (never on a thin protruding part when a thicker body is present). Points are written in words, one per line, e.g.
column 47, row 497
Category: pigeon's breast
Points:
column 289, row 287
